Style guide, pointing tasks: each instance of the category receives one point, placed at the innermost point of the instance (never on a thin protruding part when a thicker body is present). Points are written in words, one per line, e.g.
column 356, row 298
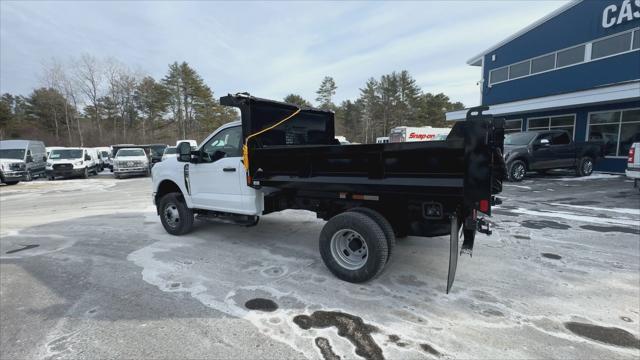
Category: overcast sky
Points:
column 269, row 49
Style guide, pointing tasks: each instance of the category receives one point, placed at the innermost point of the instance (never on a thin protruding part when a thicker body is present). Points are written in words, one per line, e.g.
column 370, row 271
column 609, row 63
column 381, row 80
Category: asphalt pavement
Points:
column 87, row 271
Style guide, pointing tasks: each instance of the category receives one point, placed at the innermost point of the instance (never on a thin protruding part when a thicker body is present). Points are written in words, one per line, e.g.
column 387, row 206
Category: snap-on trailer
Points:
column 369, row 194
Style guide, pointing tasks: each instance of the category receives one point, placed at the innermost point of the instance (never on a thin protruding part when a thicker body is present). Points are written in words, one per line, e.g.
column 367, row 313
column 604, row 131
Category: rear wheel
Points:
column 384, row 225
column 585, row 166
column 353, row 247
column 517, row 170
column 175, row 216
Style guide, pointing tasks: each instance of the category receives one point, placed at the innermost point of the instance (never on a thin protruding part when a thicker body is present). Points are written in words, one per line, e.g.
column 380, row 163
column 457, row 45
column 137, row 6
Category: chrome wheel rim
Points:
column 172, row 215
column 518, row 171
column 349, row 249
column 587, row 167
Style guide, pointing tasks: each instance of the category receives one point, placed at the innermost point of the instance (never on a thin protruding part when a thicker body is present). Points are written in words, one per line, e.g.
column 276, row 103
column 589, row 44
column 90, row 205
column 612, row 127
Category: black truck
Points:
column 280, row 156
column 546, row 150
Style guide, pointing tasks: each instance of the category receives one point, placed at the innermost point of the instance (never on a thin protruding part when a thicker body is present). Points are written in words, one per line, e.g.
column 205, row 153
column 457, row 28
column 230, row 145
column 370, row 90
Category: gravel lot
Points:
column 87, row 271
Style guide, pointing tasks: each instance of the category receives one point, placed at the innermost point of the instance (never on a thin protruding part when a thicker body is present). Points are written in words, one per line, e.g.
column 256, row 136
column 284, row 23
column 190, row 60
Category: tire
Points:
column 116, row 176
column 11, row 182
column 175, row 216
column 85, row 175
column 585, row 166
column 95, row 171
column 517, row 170
column 29, row 176
column 51, row 178
column 348, row 227
column 384, row 225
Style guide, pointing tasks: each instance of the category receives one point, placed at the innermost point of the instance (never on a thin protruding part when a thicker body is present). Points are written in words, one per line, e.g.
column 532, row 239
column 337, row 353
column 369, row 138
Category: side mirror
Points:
column 87, row 157
column 184, row 152
column 29, row 158
column 218, row 155
column 545, row 142
column 44, row 158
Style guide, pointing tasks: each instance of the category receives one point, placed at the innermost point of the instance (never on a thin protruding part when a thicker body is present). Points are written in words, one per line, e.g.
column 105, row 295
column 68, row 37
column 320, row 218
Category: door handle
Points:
column 229, row 169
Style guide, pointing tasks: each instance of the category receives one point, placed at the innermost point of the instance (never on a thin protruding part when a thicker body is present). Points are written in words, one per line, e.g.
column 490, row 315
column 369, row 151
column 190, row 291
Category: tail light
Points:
column 632, row 153
column 484, row 206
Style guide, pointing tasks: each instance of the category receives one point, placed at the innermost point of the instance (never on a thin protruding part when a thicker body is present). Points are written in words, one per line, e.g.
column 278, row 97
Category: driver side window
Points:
column 228, row 141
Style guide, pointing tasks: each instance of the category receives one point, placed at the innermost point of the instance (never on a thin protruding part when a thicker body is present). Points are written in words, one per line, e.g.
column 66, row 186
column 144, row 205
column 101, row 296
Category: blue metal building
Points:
column 576, row 69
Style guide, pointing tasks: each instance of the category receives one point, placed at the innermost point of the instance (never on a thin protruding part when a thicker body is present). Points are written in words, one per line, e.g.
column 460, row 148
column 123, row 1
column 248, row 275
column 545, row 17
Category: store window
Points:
column 513, row 125
column 559, row 122
column 615, row 130
column 636, row 39
column 570, row 56
column 519, row 69
column 543, row 63
column 611, row 45
column 499, row 75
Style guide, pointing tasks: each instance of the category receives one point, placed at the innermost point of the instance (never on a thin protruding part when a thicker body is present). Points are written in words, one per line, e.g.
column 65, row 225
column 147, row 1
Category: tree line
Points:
column 92, row 102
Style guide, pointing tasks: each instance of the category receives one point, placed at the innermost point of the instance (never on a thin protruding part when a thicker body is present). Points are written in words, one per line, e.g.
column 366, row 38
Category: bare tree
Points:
column 55, row 77
column 89, row 78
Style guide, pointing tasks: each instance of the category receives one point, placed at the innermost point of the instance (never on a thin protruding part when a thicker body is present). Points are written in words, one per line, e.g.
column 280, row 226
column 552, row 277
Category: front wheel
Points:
column 585, row 166
column 85, row 174
column 175, row 216
column 517, row 170
column 28, row 177
column 353, row 247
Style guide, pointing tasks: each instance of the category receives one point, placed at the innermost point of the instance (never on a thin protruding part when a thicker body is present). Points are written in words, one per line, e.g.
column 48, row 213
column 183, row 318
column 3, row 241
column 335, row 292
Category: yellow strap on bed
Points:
column 245, row 148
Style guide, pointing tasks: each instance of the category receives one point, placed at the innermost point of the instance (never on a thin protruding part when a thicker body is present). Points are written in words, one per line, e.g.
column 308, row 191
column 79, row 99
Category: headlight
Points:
column 78, row 163
column 49, row 164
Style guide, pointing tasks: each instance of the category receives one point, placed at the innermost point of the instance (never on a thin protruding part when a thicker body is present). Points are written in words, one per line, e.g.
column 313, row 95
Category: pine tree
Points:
column 325, row 93
column 296, row 100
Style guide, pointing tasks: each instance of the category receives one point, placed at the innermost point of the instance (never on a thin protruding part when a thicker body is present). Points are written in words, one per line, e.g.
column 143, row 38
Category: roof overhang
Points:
column 474, row 60
column 600, row 95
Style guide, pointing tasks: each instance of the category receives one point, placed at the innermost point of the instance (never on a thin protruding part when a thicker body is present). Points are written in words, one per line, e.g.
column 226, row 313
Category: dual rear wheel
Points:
column 356, row 245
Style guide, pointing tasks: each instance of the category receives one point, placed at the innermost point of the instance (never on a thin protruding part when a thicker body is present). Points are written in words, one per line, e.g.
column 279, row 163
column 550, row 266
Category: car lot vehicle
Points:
column 369, row 194
column 193, row 143
column 169, row 151
column 382, row 140
column 96, row 156
column 423, row 133
column 546, row 150
column 342, row 140
column 105, row 155
column 49, row 148
column 633, row 164
column 131, row 161
column 155, row 152
column 21, row 160
column 70, row 162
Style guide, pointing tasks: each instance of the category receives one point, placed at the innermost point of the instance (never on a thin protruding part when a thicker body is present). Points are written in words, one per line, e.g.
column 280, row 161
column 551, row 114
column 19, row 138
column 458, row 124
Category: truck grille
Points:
column 63, row 166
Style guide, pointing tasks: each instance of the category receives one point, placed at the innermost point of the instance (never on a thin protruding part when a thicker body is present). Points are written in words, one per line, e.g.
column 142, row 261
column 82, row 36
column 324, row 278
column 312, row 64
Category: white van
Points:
column 96, row 156
column 105, row 155
column 21, row 160
column 69, row 162
column 633, row 164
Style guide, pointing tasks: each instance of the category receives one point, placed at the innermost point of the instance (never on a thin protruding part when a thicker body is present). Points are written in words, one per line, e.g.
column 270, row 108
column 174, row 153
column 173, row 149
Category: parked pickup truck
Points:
column 280, row 156
column 547, row 150
column 633, row 164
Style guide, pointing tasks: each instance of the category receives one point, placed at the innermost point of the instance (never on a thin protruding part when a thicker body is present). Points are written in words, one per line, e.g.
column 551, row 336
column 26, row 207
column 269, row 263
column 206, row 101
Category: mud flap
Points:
column 453, row 251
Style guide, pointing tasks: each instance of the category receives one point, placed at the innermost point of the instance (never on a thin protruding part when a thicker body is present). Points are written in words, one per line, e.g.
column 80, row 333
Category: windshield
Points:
column 12, row 154
column 130, row 152
column 170, row 150
column 66, row 154
column 523, row 138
